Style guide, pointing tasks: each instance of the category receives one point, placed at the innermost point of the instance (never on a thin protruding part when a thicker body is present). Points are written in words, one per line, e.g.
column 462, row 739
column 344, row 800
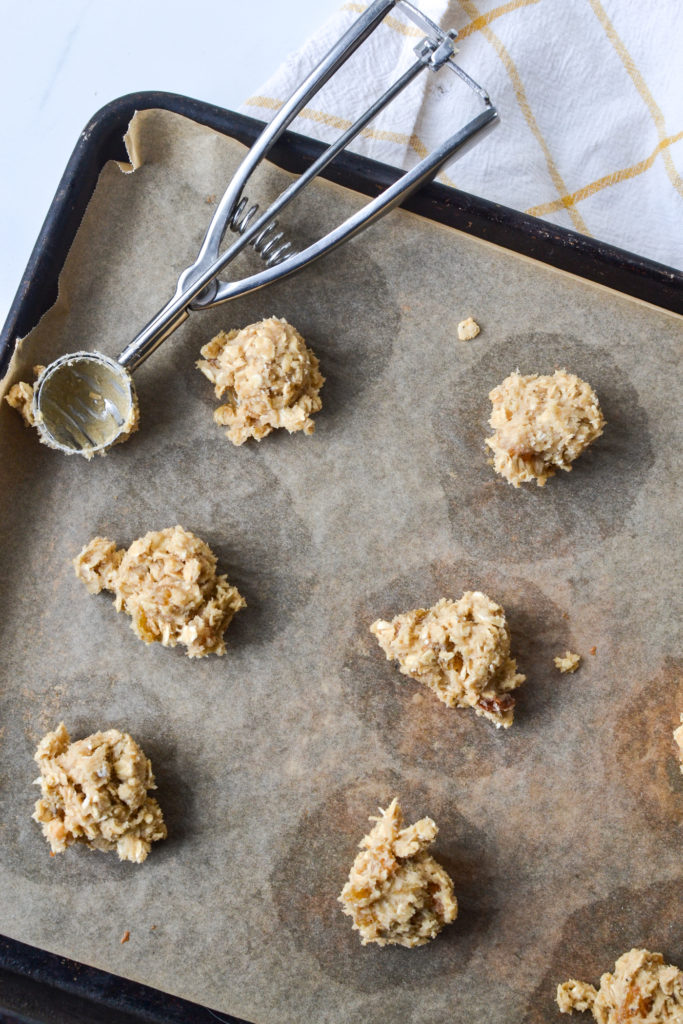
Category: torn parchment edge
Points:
column 20, row 364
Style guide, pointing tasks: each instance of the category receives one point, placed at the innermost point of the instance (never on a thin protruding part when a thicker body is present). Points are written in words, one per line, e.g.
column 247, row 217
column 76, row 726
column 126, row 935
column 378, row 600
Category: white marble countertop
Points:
column 64, row 60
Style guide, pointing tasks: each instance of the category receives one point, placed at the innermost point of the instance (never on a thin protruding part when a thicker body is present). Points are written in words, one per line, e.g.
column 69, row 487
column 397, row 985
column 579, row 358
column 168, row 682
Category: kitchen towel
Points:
column 590, row 97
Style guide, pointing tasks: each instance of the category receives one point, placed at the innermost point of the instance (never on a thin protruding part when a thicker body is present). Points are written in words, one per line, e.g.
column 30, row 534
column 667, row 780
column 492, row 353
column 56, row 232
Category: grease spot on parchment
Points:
column 251, row 527
column 646, row 764
column 311, row 874
column 575, row 510
column 596, row 935
column 425, row 730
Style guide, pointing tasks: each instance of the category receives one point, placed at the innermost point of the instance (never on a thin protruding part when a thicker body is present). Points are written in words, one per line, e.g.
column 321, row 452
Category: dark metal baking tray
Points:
column 39, row 987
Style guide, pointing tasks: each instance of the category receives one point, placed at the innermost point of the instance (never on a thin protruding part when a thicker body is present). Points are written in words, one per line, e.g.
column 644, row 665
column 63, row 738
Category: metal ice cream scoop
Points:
column 85, row 402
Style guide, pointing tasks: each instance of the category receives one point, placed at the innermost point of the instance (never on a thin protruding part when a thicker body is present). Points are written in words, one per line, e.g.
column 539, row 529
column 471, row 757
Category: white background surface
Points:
column 64, row 59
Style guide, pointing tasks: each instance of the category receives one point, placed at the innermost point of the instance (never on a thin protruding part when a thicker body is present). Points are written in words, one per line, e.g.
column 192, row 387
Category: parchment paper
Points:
column 562, row 834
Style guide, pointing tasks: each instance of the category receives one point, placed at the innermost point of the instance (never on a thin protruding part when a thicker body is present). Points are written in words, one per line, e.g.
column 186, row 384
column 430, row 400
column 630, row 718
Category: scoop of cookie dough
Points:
column 397, row 894
column 95, row 792
column 166, row 581
column 460, row 650
column 270, row 377
column 541, row 424
column 642, row 990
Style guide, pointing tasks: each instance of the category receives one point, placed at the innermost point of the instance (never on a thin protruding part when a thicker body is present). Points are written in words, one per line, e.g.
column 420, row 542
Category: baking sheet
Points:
column 563, row 834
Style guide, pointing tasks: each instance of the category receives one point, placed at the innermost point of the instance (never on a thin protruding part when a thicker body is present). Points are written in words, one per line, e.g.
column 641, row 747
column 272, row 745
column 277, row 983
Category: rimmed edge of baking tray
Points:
column 102, row 140
column 33, row 981
column 37, row 987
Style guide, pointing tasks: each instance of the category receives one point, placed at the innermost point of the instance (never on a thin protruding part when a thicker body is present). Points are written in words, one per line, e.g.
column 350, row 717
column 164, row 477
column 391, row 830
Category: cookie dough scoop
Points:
column 85, row 402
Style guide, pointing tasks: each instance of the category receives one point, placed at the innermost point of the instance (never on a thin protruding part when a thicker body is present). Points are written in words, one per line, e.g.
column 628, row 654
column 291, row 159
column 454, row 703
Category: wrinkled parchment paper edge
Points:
column 134, row 141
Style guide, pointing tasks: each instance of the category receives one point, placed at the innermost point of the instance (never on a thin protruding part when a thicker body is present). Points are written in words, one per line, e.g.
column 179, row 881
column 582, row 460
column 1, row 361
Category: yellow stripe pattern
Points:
column 639, row 82
column 523, row 102
column 609, row 179
column 480, row 23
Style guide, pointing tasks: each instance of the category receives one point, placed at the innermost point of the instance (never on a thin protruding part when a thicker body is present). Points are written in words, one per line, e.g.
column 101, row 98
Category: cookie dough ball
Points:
column 642, row 990
column 166, row 581
column 541, row 424
column 397, row 894
column 460, row 650
column 270, row 377
column 96, row 792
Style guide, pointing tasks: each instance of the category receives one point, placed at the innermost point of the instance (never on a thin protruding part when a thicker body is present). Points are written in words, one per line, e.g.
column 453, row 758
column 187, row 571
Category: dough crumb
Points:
column 397, row 894
column 166, row 581
column 678, row 738
column 593, row 650
column 567, row 662
column 460, row 650
column 468, row 329
column 20, row 397
column 125, row 937
column 271, row 378
column 95, row 792
column 541, row 424
column 642, row 990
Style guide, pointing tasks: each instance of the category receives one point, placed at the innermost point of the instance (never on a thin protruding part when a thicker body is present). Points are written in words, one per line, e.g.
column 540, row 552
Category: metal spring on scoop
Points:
column 269, row 243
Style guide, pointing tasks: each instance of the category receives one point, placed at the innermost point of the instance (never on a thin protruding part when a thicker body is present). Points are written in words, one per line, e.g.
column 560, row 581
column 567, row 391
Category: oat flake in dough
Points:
column 96, row 792
column 541, row 424
column 642, row 990
column 460, row 650
column 270, row 377
column 166, row 581
column 397, row 894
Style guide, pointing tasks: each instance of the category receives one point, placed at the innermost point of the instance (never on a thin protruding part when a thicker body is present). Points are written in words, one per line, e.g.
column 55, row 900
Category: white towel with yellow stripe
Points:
column 590, row 96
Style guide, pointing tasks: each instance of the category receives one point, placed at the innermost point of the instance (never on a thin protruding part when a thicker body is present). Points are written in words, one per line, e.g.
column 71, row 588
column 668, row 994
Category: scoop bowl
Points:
column 83, row 403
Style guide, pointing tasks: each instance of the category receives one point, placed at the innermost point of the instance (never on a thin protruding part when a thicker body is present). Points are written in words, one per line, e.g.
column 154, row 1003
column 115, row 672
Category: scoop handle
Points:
column 166, row 321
